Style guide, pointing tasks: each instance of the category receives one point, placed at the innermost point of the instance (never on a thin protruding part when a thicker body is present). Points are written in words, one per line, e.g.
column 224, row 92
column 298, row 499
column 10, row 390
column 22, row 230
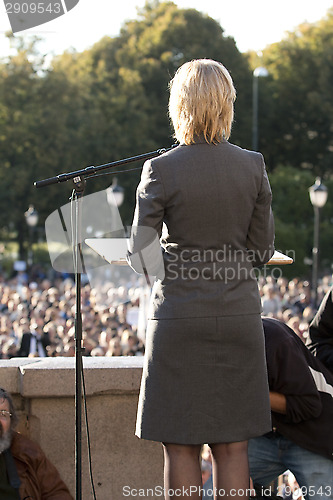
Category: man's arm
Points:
column 289, row 373
column 42, row 474
column 51, row 485
column 278, row 402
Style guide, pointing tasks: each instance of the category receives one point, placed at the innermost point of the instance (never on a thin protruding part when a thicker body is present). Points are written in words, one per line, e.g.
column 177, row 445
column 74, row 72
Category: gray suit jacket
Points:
column 215, row 201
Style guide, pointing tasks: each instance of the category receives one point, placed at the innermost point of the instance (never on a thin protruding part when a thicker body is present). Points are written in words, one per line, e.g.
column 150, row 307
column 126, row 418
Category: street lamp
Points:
column 259, row 72
column 318, row 198
column 115, row 197
column 115, row 193
column 31, row 217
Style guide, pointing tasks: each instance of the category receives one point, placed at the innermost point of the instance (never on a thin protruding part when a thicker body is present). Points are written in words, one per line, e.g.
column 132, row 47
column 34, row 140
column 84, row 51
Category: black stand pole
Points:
column 79, row 183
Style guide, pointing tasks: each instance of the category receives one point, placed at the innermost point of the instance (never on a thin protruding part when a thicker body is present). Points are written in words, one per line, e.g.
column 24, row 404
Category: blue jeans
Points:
column 272, row 454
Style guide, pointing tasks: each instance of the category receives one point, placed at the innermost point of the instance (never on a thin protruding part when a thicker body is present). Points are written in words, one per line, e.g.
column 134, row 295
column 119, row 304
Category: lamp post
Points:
column 115, row 197
column 31, row 217
column 115, row 194
column 318, row 198
column 259, row 72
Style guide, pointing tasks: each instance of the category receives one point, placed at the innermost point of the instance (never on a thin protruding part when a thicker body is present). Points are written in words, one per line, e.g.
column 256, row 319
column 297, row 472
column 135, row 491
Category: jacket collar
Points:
column 200, row 139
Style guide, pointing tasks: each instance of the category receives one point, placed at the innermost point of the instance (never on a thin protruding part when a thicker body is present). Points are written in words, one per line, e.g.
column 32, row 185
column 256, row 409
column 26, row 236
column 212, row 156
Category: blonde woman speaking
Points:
column 204, row 377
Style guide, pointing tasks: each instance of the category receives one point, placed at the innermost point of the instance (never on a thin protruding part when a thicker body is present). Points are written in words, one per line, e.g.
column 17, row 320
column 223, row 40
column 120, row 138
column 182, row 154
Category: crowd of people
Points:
column 46, row 309
column 114, row 316
column 292, row 301
column 112, row 313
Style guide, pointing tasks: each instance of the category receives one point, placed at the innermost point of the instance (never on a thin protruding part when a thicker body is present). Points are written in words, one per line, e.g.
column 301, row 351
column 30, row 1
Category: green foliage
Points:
column 294, row 219
column 38, row 118
column 126, row 84
column 291, row 202
column 110, row 102
column 98, row 106
column 298, row 96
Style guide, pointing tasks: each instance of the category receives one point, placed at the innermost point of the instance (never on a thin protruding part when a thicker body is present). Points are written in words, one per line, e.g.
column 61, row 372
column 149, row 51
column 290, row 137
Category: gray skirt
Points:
column 204, row 381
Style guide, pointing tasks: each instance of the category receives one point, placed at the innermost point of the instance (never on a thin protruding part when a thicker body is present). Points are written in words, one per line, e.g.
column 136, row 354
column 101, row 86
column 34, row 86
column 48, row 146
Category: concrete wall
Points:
column 43, row 391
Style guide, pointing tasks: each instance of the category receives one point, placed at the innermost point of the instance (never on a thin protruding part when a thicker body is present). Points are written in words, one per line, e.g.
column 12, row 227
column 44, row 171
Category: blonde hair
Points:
column 201, row 101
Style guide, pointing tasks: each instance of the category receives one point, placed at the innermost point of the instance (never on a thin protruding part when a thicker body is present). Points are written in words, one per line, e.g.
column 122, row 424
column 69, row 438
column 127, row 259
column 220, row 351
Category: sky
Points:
column 253, row 24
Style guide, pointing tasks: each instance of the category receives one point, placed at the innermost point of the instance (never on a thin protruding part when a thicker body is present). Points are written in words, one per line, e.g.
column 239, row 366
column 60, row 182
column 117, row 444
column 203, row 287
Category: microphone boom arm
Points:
column 88, row 171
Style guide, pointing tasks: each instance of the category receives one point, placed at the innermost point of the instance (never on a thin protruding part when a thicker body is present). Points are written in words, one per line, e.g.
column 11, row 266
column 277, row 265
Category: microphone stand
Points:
column 76, row 202
column 78, row 177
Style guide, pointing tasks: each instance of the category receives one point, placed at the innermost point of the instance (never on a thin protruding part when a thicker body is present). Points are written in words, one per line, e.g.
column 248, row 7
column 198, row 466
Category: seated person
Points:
column 25, row 472
column 301, row 396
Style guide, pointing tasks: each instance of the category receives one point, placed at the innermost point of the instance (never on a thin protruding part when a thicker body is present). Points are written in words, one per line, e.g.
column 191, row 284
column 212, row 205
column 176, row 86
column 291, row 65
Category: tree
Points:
column 36, row 121
column 294, row 222
column 299, row 101
column 110, row 102
column 128, row 80
column 164, row 37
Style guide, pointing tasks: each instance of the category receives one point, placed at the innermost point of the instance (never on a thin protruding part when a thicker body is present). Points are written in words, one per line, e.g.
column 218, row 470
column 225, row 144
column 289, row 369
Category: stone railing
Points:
column 43, row 391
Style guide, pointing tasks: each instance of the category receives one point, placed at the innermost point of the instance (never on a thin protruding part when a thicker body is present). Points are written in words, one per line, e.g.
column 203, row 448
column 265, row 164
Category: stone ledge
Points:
column 55, row 377
column 43, row 391
column 10, row 373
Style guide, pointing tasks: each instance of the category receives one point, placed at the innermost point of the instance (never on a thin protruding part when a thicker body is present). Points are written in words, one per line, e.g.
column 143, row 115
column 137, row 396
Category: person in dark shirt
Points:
column 34, row 343
column 301, row 397
column 320, row 340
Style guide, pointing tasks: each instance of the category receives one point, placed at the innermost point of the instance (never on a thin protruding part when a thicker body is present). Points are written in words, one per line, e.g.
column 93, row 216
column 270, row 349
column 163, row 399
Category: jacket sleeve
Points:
column 52, row 486
column 260, row 237
column 145, row 253
column 289, row 374
column 320, row 340
column 37, row 474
